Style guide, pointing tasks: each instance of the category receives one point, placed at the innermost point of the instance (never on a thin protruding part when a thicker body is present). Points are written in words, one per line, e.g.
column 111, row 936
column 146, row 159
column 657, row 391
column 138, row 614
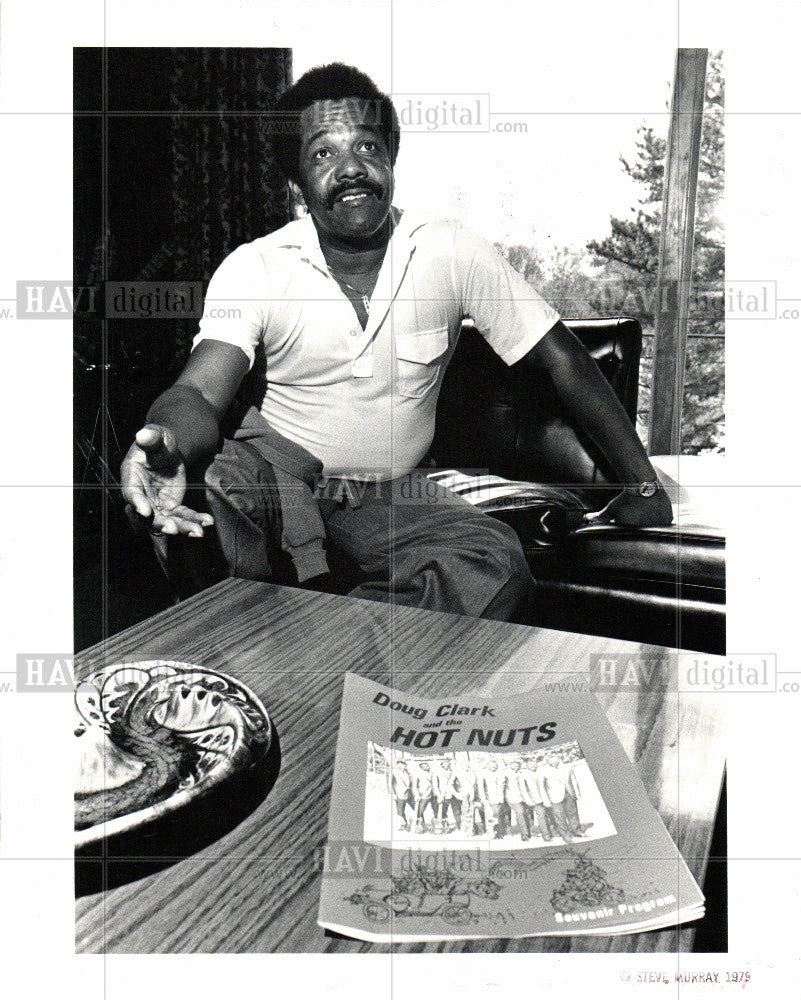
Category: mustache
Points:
column 345, row 186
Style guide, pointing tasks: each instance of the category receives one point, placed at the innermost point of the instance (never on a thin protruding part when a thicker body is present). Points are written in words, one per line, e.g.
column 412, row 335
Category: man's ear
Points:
column 297, row 194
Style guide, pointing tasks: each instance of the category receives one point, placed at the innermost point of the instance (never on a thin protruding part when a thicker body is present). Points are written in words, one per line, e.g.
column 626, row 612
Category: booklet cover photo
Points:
column 470, row 818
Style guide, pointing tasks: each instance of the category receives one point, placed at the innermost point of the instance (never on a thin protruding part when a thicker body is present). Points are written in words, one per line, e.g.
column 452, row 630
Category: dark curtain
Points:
column 226, row 189
column 173, row 170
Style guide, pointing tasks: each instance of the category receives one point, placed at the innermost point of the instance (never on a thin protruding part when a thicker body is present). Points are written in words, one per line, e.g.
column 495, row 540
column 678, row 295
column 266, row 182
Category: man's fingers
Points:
column 604, row 516
column 630, row 513
column 181, row 520
column 138, row 501
column 138, row 521
column 178, row 520
column 175, row 526
column 187, row 514
column 156, row 445
column 150, row 438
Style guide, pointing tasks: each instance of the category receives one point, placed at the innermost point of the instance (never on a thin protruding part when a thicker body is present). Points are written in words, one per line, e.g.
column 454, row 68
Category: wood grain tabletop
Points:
column 255, row 887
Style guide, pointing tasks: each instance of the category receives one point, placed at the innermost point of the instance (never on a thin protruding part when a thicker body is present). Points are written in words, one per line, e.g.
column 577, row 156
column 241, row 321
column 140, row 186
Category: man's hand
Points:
column 632, row 510
column 598, row 412
column 154, row 483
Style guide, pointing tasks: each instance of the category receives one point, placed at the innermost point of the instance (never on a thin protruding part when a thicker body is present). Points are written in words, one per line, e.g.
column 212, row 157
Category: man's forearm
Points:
column 592, row 403
column 600, row 414
column 192, row 420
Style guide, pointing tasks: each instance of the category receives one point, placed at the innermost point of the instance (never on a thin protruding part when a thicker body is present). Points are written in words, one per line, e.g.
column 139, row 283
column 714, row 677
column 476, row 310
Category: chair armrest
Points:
column 509, row 420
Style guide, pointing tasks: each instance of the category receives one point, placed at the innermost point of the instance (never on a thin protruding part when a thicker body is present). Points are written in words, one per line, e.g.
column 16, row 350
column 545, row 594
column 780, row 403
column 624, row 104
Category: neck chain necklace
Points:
column 362, row 296
column 365, row 298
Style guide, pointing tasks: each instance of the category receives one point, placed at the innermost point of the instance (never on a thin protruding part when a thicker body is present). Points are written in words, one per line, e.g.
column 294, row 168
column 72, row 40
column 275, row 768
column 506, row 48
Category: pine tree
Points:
column 628, row 262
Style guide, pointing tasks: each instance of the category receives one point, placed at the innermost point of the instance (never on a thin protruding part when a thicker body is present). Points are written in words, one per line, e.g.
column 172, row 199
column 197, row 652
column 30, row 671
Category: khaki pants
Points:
column 412, row 541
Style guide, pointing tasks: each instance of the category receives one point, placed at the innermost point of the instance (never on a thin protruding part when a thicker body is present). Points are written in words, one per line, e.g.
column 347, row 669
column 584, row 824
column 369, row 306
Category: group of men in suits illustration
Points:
column 531, row 797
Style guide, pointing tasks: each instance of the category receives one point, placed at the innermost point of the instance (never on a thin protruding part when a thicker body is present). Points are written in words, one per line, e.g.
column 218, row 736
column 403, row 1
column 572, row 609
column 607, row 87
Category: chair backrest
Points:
column 509, row 420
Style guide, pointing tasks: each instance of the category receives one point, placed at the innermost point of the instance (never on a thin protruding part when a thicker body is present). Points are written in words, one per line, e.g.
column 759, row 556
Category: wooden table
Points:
column 256, row 889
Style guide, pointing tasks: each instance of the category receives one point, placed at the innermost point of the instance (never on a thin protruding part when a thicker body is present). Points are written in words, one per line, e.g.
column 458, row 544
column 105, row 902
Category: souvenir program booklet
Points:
column 472, row 818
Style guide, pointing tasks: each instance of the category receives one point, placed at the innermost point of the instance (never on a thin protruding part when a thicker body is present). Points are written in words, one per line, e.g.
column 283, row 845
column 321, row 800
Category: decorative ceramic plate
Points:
column 154, row 736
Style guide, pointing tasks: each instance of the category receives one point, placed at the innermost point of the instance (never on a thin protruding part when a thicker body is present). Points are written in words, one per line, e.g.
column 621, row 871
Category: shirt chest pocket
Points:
column 421, row 356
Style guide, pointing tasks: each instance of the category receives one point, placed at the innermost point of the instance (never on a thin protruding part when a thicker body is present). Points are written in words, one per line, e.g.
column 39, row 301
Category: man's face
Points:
column 515, row 765
column 533, row 765
column 424, row 767
column 345, row 170
column 492, row 766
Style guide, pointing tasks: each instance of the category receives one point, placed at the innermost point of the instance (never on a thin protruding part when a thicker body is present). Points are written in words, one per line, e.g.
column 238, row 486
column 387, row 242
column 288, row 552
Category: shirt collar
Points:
column 307, row 244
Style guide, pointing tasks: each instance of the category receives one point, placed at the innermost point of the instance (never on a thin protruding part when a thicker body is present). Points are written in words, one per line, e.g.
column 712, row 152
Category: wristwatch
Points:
column 648, row 489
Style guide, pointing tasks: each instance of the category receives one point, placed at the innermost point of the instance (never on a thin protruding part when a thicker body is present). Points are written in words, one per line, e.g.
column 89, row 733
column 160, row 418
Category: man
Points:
column 572, row 795
column 513, row 794
column 538, row 820
column 492, row 785
column 551, row 779
column 423, row 792
column 464, row 790
column 402, row 792
column 449, row 790
column 474, row 820
column 346, row 321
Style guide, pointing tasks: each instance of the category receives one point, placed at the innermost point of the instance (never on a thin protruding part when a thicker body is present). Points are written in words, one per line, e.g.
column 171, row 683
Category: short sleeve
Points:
column 509, row 313
column 236, row 303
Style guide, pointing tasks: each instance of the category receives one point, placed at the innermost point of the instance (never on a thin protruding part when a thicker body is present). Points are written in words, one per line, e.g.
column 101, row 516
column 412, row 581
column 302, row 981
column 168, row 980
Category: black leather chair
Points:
column 510, row 420
column 659, row 585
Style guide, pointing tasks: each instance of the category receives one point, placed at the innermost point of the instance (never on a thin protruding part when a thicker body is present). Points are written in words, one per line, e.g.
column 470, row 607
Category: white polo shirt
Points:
column 364, row 401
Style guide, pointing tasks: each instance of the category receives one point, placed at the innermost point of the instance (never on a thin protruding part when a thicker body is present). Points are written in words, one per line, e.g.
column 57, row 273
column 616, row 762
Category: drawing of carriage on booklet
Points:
column 446, row 894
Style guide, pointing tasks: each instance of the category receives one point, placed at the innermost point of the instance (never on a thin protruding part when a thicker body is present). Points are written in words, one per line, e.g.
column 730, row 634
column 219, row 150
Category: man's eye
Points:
column 320, row 154
column 369, row 146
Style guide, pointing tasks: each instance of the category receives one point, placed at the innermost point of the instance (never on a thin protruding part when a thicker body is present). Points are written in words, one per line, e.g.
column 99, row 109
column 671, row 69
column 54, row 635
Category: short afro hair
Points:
column 333, row 82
